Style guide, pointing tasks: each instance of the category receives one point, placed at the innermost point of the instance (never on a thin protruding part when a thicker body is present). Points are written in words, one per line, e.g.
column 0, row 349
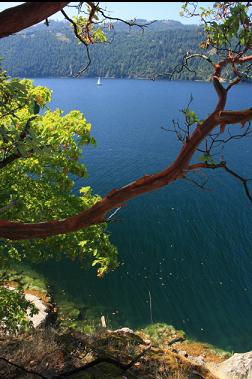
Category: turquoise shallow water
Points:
column 191, row 249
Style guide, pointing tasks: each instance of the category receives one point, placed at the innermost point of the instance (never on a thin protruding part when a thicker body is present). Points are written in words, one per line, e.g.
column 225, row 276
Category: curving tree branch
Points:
column 97, row 213
column 177, row 170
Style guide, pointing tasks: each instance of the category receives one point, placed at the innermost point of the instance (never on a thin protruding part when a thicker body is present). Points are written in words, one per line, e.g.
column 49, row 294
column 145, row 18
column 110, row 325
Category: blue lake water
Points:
column 191, row 249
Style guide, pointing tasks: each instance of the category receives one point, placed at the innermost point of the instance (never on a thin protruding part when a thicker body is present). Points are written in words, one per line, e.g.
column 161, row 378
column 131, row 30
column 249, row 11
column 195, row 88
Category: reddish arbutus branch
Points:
column 177, row 170
column 15, row 19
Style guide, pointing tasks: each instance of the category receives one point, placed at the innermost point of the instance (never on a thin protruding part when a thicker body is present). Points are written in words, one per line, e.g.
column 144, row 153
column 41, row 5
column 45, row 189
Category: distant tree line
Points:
column 54, row 52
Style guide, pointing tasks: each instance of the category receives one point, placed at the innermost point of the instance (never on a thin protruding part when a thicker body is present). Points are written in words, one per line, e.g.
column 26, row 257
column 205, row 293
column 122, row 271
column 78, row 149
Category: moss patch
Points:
column 162, row 334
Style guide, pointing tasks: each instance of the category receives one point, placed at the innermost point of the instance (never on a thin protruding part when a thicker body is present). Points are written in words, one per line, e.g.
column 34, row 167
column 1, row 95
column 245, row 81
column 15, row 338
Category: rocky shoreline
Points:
column 86, row 346
column 123, row 353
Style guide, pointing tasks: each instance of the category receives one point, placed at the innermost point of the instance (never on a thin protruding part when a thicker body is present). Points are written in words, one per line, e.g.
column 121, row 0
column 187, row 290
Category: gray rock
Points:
column 198, row 360
column 124, row 330
column 239, row 366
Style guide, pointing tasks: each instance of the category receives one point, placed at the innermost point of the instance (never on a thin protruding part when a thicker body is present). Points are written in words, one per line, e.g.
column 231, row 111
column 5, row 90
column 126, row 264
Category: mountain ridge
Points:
column 53, row 51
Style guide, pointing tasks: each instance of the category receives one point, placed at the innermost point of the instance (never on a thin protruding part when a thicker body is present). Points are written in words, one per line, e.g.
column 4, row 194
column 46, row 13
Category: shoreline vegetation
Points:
column 152, row 55
column 129, row 78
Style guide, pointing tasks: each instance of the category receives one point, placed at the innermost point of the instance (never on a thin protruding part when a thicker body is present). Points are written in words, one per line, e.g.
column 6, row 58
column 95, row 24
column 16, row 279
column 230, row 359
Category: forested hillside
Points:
column 53, row 51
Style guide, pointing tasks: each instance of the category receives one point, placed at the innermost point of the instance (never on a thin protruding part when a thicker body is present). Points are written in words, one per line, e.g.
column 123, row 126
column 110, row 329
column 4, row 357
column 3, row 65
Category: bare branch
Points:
column 197, row 184
column 244, row 181
column 129, row 23
column 224, row 166
column 185, row 65
column 84, row 68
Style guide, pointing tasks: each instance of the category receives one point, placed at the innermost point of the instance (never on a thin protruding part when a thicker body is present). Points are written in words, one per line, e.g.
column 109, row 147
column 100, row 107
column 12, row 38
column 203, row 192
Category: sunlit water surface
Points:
column 191, row 249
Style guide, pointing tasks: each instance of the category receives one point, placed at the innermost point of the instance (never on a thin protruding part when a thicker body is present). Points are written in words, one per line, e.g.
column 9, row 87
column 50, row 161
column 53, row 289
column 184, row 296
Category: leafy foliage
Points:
column 88, row 32
column 13, row 310
column 39, row 157
column 191, row 117
column 226, row 23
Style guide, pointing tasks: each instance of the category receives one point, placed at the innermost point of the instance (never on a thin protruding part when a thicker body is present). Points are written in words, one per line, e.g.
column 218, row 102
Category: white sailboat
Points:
column 99, row 83
column 70, row 70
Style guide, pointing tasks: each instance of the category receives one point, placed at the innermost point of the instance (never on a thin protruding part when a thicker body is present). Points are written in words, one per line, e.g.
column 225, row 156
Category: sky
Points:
column 130, row 10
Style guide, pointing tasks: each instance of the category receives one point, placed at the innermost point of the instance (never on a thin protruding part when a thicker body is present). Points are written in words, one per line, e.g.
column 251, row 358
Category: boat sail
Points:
column 99, row 83
column 70, row 70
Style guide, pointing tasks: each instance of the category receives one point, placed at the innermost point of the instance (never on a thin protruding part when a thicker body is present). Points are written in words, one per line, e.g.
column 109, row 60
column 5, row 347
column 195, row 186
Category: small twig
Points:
column 201, row 186
column 241, row 179
column 150, row 303
column 184, row 65
column 223, row 165
column 129, row 23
